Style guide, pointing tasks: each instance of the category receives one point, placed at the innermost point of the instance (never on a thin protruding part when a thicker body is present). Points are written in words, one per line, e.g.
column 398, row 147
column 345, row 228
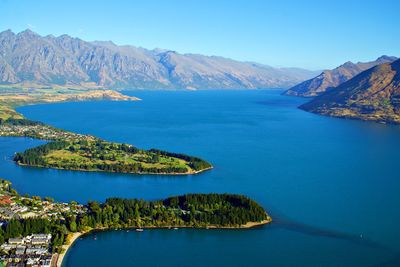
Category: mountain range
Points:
column 332, row 78
column 373, row 94
column 28, row 59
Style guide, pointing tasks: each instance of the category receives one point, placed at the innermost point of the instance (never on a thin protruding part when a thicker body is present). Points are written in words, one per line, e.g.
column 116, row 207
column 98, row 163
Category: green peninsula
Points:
column 99, row 155
column 74, row 151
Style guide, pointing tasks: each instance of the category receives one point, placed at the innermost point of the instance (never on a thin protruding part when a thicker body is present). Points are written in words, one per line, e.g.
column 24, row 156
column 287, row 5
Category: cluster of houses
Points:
column 29, row 251
column 9, row 209
column 13, row 211
column 40, row 131
column 32, row 250
column 18, row 207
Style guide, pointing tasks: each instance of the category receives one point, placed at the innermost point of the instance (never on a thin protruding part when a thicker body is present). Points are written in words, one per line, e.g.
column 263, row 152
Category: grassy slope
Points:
column 7, row 112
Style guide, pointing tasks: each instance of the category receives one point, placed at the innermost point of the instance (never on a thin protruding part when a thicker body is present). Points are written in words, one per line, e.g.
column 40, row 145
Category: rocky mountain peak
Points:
column 67, row 61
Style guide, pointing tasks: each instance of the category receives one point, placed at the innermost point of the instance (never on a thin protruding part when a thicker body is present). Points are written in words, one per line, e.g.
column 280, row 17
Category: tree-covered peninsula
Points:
column 34, row 215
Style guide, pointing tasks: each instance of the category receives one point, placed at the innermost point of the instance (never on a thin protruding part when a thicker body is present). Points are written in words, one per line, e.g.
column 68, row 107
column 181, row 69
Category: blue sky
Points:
column 309, row 34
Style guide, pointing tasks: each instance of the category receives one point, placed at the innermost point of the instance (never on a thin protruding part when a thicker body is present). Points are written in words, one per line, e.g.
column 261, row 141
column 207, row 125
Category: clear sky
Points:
column 309, row 34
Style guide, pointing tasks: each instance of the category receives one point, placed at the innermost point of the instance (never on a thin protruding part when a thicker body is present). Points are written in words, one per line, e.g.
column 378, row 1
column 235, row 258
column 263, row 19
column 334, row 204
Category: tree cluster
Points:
column 194, row 162
column 19, row 122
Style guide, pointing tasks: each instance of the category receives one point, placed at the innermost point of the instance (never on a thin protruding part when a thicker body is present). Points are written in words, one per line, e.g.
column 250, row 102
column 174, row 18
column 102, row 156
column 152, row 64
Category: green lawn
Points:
column 91, row 158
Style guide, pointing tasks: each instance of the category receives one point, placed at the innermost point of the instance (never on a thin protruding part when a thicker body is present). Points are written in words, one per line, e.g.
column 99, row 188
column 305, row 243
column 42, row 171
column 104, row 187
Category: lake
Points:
column 331, row 185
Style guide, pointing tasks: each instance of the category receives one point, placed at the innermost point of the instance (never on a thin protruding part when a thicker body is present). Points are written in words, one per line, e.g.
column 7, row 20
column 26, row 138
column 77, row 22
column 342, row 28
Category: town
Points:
column 33, row 249
column 14, row 206
column 27, row 128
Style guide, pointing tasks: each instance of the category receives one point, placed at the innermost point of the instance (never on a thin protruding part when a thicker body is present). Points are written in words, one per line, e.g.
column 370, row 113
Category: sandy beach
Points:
column 72, row 238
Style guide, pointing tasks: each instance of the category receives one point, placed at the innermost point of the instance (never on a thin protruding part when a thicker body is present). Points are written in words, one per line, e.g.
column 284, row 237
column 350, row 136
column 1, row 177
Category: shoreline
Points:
column 10, row 102
column 71, row 241
column 75, row 236
column 137, row 173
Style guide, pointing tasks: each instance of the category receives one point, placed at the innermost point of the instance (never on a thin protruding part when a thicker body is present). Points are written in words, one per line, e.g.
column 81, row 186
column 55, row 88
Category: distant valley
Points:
column 29, row 60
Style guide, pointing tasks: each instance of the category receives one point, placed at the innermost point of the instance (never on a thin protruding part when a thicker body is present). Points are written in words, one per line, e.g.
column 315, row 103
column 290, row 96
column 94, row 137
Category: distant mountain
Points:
column 29, row 59
column 332, row 78
column 371, row 95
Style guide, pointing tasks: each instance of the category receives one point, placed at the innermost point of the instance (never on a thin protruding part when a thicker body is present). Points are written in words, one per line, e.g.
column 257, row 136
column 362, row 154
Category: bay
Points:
column 331, row 185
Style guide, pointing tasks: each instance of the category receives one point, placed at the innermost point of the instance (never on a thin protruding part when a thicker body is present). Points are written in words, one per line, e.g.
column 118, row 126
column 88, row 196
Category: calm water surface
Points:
column 332, row 185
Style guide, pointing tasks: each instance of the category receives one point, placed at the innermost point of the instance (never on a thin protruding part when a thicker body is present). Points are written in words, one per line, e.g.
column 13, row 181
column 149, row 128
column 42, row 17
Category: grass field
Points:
column 144, row 158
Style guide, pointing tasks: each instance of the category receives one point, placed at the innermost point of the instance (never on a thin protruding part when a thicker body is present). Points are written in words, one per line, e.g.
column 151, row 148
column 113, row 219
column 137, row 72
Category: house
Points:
column 20, row 250
column 36, row 251
column 5, row 200
column 16, row 241
column 48, row 236
column 39, row 239
column 44, row 238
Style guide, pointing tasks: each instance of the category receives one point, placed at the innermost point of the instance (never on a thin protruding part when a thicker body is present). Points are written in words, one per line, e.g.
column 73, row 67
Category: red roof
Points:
column 5, row 200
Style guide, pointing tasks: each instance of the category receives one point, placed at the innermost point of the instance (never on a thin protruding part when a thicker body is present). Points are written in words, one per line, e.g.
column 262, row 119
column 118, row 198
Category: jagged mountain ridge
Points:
column 28, row 58
column 329, row 79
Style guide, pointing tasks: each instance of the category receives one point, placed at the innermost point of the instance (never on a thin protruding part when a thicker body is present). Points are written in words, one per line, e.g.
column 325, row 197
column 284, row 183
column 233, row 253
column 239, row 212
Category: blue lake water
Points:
column 331, row 185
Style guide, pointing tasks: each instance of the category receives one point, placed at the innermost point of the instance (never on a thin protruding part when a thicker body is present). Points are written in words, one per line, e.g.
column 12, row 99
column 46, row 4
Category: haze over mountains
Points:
column 371, row 95
column 332, row 78
column 28, row 59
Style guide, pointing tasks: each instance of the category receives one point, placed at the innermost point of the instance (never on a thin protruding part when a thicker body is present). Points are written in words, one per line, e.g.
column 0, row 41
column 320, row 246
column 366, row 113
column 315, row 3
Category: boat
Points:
column 139, row 230
column 176, row 228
